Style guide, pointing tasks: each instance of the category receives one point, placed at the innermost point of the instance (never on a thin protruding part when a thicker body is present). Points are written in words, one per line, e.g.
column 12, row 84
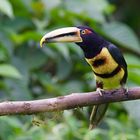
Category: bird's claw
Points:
column 100, row 91
column 125, row 91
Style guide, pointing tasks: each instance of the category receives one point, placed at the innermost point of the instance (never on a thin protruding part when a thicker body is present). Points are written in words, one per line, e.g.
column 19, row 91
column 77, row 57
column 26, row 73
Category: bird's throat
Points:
column 92, row 51
column 92, row 48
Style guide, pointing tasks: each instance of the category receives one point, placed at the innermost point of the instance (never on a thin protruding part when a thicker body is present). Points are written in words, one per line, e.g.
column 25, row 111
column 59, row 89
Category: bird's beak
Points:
column 69, row 34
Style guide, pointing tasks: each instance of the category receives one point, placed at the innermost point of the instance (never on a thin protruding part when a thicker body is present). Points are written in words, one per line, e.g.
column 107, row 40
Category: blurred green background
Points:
column 28, row 72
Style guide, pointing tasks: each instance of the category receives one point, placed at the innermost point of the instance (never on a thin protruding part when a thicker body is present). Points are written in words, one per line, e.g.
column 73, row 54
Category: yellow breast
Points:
column 112, row 82
column 109, row 65
column 102, row 64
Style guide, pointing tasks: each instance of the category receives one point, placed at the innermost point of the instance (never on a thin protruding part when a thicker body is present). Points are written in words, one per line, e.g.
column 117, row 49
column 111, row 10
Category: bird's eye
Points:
column 86, row 31
column 83, row 32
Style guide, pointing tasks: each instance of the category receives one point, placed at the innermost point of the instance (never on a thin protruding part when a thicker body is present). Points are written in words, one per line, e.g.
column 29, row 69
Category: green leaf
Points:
column 73, row 86
column 51, row 4
column 3, row 53
column 133, row 108
column 49, row 52
column 133, row 70
column 97, row 133
column 6, row 8
column 134, row 75
column 8, row 70
column 76, row 49
column 122, row 34
column 114, row 124
column 132, row 61
column 93, row 9
column 32, row 57
column 63, row 50
column 24, row 37
column 63, row 68
column 11, row 126
column 20, row 90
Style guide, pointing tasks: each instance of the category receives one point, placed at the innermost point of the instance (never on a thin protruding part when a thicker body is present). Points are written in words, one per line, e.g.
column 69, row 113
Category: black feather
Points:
column 118, row 57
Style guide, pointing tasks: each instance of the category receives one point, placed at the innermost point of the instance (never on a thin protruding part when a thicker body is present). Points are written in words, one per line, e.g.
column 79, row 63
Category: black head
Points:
column 91, row 43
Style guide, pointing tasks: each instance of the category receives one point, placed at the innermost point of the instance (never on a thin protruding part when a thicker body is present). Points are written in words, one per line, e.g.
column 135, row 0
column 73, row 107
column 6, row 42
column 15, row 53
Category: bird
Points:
column 105, row 58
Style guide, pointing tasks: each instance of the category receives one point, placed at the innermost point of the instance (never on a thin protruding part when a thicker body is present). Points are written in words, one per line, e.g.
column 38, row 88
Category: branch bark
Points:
column 71, row 101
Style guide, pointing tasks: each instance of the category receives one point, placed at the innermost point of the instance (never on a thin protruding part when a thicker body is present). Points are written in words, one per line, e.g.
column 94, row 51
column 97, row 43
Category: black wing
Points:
column 118, row 57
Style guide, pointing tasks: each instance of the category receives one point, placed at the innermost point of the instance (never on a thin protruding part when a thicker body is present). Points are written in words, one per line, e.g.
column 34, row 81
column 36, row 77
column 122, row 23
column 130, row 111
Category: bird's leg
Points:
column 99, row 88
column 125, row 90
column 100, row 91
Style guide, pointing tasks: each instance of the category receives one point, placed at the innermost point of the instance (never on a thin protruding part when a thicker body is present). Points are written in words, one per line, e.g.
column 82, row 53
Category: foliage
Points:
column 28, row 72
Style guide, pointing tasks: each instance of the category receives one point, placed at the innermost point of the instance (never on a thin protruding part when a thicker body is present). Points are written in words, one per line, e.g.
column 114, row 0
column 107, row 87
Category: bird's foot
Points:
column 100, row 91
column 113, row 91
column 125, row 90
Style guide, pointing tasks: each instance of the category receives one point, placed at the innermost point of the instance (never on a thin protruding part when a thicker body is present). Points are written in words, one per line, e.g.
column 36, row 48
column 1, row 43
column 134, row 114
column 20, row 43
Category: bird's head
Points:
column 83, row 36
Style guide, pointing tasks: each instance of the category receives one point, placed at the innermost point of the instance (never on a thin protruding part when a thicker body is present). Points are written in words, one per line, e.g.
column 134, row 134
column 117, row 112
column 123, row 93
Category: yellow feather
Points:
column 109, row 66
column 113, row 82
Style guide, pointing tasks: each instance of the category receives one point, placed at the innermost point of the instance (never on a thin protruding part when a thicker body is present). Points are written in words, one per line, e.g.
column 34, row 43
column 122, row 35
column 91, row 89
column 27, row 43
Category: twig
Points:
column 67, row 102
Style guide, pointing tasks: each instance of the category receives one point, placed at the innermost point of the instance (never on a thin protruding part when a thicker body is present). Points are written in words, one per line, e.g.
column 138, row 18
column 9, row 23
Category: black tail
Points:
column 97, row 114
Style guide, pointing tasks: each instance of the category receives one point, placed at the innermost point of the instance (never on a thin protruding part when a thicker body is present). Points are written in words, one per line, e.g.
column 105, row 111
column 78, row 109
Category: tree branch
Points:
column 71, row 101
